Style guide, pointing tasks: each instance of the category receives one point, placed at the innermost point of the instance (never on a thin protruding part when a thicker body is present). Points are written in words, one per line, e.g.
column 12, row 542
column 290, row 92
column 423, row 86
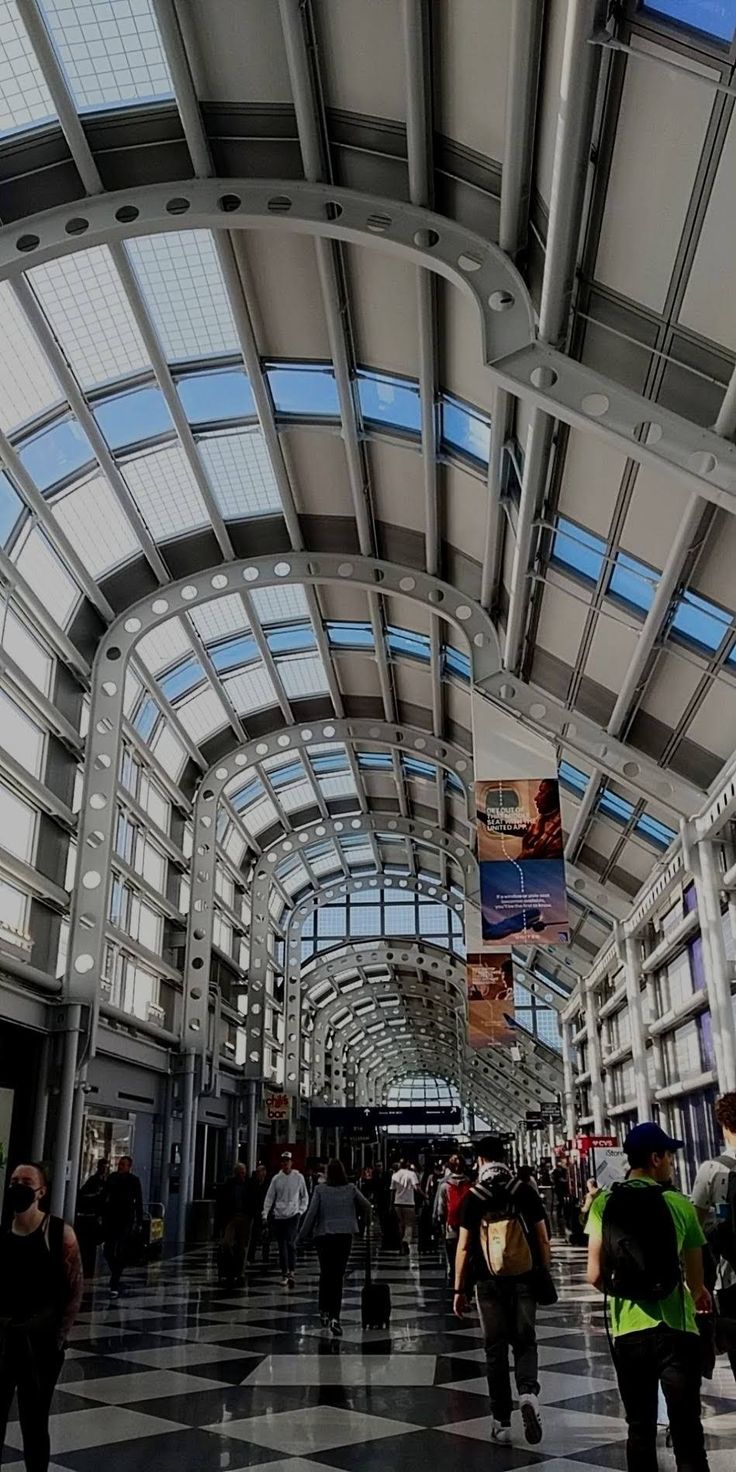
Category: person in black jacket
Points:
column 122, row 1219
column 235, row 1203
column 41, row 1287
column 260, row 1235
column 90, row 1204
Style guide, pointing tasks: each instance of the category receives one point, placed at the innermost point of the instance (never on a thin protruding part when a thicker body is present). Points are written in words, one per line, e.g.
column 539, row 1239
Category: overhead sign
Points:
column 490, row 982
column 332, row 1115
column 522, row 869
column 278, row 1106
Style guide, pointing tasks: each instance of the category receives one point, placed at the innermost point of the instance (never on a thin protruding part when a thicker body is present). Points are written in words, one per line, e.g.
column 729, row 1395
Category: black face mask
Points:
column 20, row 1196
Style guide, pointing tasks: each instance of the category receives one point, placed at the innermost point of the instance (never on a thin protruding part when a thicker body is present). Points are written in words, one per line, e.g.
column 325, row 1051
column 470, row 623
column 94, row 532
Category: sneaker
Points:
column 530, row 1415
column 114, row 1293
column 290, row 1281
column 336, row 1328
column 285, row 1283
column 501, row 1433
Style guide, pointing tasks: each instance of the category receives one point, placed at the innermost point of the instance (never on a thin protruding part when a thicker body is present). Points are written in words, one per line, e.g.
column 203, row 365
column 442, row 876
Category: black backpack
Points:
column 640, row 1258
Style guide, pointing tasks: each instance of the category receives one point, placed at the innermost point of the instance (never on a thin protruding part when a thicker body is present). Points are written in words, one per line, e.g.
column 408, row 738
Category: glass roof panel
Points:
column 277, row 605
column 183, row 678
column 128, row 418
column 342, row 786
column 219, row 619
column 633, row 581
column 169, row 751
column 96, row 526
column 27, row 384
column 389, row 400
column 84, row 302
column 221, row 394
column 25, row 99
column 464, row 429
column 181, row 281
column 715, row 17
column 111, row 51
column 233, row 653
column 56, row 453
column 202, row 714
column 42, row 570
column 164, row 646
column 10, row 508
column 261, row 815
column 302, row 676
column 299, row 795
column 165, row 492
column 250, row 690
column 304, row 389
column 700, row 621
column 240, row 473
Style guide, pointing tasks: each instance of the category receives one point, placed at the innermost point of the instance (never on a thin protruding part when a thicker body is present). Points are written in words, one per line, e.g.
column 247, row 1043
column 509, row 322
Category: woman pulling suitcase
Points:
column 332, row 1221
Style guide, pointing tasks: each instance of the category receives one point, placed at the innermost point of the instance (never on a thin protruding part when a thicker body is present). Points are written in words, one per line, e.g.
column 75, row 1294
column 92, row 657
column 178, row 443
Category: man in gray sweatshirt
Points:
column 286, row 1201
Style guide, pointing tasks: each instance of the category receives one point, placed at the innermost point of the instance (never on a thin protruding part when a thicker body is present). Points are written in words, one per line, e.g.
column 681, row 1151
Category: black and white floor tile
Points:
column 183, row 1376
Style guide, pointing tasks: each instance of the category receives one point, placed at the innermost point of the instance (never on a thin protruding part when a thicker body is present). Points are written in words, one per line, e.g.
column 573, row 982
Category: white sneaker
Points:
column 501, row 1433
column 531, row 1417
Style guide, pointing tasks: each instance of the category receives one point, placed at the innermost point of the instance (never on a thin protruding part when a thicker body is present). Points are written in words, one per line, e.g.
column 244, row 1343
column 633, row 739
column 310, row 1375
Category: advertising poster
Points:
column 490, row 981
column 521, row 858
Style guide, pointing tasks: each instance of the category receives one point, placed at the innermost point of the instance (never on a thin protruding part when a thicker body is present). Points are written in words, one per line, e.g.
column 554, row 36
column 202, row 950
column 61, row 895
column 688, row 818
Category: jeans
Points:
column 237, row 1237
column 671, row 1358
column 333, row 1251
column 284, row 1230
column 407, row 1216
column 118, row 1251
column 31, row 1368
column 451, row 1252
column 508, row 1310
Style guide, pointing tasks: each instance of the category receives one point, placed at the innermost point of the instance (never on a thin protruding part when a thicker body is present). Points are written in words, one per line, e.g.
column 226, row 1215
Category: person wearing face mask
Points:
column 40, row 1292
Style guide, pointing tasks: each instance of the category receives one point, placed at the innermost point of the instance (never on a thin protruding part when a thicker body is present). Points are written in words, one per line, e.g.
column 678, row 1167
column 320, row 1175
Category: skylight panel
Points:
column 578, row 549
column 700, row 621
column 215, row 396
column 250, row 690
column 293, row 639
column 202, row 715
column 302, row 676
column 408, row 641
column 299, row 795
column 261, row 815
column 56, row 453
column 185, row 293
column 11, row 507
column 654, row 831
column 83, row 300
column 165, row 492
column 234, row 653
column 127, row 418
column 27, row 385
column 43, row 571
column 25, row 99
column 185, row 677
column 169, row 751
column 340, row 786
column 349, row 634
column 326, row 864
column 241, row 474
column 278, row 605
column 219, row 619
column 633, row 581
column 96, row 526
column 165, row 645
column 304, row 390
column 111, row 51
column 454, row 662
column 465, row 429
column 295, row 880
column 389, row 400
column 715, row 18
column 614, row 806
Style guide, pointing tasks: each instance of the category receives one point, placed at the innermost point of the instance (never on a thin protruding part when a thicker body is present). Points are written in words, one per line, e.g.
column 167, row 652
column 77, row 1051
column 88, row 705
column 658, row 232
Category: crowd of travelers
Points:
column 664, row 1262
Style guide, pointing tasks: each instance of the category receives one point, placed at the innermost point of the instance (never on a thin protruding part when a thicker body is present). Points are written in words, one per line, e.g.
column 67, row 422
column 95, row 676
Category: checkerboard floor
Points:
column 183, row 1376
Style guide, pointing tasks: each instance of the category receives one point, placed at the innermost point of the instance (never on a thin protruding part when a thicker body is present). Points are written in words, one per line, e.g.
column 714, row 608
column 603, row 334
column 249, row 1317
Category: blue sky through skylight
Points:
column 304, row 389
column 388, row 400
column 715, row 17
column 700, row 621
column 56, row 453
column 465, row 430
column 127, row 418
column 216, row 397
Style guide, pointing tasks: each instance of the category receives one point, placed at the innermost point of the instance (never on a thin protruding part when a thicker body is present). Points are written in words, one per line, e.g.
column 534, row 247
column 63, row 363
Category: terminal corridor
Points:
column 182, row 1376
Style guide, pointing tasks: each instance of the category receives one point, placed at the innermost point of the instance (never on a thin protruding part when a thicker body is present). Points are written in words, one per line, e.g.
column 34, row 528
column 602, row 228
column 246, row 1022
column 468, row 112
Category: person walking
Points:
column 90, row 1202
column 236, row 1201
column 451, row 1194
column 286, row 1201
column 714, row 1198
column 41, row 1285
column 122, row 1220
column 646, row 1252
column 503, row 1242
column 333, row 1220
column 405, row 1191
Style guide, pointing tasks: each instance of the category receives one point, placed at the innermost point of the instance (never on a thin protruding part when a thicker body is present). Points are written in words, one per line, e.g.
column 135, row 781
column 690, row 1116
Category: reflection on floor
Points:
column 182, row 1376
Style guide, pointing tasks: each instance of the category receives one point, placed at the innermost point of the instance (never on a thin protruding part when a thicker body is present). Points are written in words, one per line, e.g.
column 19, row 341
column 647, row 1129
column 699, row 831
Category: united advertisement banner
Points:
column 522, row 866
column 490, row 999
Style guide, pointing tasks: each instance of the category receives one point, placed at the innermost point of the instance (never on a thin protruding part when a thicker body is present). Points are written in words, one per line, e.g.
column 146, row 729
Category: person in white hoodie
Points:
column 286, row 1201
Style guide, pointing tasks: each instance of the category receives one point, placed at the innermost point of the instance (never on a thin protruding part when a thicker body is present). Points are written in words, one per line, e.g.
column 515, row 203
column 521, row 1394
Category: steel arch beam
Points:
column 372, row 1076
column 542, row 376
column 442, row 995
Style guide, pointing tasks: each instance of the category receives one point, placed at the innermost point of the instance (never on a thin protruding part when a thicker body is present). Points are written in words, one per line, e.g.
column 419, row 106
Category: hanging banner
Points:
column 522, row 867
column 490, row 999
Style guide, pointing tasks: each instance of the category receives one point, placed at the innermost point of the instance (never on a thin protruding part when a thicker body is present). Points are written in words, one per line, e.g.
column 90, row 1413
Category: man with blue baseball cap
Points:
column 645, row 1253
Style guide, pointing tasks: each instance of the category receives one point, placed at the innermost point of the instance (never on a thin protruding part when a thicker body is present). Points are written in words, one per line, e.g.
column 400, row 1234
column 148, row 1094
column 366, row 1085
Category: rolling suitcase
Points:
column 375, row 1299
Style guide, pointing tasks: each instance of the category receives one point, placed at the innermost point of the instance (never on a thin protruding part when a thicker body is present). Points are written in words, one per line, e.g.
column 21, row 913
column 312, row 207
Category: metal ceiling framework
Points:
column 530, row 367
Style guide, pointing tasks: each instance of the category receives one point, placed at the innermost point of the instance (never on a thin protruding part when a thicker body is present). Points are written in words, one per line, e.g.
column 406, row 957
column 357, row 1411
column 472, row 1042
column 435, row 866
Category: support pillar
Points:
column 571, row 1120
column 718, row 977
column 252, row 1122
column 632, row 970
column 41, row 1103
column 187, row 1137
column 318, row 1141
column 164, row 1183
column 75, row 1147
column 65, row 1108
column 597, row 1098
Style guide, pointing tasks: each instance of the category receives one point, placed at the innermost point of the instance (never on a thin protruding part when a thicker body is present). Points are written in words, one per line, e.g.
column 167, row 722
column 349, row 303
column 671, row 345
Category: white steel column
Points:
column 569, row 1086
column 631, row 957
column 597, row 1100
column 708, row 888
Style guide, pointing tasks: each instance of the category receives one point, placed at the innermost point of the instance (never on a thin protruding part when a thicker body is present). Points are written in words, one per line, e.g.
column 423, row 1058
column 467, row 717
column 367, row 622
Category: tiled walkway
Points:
column 181, row 1376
